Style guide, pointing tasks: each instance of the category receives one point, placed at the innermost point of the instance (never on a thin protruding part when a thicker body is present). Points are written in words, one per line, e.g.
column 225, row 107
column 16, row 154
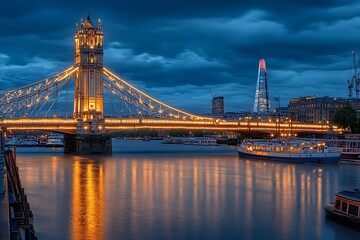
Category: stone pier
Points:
column 88, row 144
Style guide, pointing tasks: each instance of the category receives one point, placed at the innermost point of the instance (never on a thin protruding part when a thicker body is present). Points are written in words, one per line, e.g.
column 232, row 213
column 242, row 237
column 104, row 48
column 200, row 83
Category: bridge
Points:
column 88, row 129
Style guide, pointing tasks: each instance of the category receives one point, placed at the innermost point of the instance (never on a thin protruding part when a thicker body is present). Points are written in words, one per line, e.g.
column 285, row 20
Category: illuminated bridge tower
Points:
column 88, row 97
column 261, row 103
column 88, row 92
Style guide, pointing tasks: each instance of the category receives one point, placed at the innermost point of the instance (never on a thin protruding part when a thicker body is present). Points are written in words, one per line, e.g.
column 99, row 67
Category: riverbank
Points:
column 4, row 205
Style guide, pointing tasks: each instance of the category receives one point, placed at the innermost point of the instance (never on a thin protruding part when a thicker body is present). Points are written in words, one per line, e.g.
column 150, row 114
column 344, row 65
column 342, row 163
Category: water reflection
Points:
column 87, row 214
column 205, row 196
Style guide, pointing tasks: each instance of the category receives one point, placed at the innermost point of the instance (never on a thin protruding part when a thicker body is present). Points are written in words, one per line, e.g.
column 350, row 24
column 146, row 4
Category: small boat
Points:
column 288, row 150
column 54, row 140
column 346, row 208
column 202, row 141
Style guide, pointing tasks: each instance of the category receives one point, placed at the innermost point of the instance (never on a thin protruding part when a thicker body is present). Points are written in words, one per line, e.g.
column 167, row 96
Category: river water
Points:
column 148, row 190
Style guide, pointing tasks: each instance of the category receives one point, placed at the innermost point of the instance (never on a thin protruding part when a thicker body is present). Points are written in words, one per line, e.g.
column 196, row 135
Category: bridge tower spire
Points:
column 89, row 97
column 261, row 102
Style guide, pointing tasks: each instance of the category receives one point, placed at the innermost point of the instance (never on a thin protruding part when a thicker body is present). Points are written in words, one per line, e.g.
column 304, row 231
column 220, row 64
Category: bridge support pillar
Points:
column 88, row 144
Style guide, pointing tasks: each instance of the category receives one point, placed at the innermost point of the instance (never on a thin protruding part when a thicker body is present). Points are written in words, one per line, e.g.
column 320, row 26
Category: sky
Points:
column 185, row 52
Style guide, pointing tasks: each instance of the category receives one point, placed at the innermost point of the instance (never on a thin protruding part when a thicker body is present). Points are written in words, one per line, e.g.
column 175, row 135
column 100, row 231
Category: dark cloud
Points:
column 179, row 50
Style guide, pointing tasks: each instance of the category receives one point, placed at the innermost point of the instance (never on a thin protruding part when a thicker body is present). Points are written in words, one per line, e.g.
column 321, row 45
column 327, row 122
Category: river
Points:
column 148, row 190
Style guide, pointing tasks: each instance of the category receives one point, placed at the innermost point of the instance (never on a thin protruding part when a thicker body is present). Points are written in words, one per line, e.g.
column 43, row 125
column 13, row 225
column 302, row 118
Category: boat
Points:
column 13, row 142
column 288, row 150
column 202, row 141
column 350, row 149
column 30, row 142
column 346, row 208
column 172, row 140
column 22, row 142
column 54, row 140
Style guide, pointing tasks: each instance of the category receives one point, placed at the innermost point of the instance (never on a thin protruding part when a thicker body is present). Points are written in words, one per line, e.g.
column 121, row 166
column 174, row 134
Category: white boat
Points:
column 200, row 141
column 26, row 141
column 54, row 140
column 13, row 142
column 173, row 140
column 30, row 142
column 350, row 149
column 288, row 150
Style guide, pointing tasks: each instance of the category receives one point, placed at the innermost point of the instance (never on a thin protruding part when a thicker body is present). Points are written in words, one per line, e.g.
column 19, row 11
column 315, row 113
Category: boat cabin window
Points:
column 353, row 210
column 344, row 206
column 337, row 204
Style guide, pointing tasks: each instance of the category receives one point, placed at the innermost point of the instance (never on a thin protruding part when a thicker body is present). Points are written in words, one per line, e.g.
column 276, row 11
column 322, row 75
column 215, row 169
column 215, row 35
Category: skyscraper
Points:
column 218, row 106
column 261, row 102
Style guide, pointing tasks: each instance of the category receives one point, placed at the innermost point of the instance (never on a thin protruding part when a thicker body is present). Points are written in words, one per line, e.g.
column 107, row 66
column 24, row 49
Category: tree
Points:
column 348, row 119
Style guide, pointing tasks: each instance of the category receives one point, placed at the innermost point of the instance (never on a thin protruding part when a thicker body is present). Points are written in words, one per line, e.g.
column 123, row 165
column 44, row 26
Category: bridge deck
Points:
column 117, row 124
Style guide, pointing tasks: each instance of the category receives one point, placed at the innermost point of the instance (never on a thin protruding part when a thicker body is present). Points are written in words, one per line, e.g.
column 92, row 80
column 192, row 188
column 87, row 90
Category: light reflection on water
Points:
column 151, row 191
column 87, row 219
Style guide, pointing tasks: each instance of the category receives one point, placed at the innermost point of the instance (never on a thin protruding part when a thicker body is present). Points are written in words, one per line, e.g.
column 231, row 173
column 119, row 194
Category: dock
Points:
column 4, row 203
column 16, row 218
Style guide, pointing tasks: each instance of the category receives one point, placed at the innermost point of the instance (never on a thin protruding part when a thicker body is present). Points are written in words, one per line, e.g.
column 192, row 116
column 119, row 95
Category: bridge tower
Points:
column 88, row 96
column 89, row 92
column 261, row 102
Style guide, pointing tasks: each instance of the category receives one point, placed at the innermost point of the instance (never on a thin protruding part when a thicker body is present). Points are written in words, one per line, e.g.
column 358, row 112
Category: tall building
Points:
column 88, row 96
column 312, row 109
column 355, row 79
column 261, row 102
column 218, row 106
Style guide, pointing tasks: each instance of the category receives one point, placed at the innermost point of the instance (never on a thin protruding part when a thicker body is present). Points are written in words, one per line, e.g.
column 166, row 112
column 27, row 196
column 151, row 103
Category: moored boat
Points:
column 22, row 142
column 13, row 142
column 172, row 140
column 288, row 150
column 346, row 208
column 350, row 149
column 54, row 140
column 202, row 141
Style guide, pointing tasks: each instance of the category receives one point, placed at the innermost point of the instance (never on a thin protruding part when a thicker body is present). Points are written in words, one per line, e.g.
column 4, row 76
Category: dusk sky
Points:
column 182, row 52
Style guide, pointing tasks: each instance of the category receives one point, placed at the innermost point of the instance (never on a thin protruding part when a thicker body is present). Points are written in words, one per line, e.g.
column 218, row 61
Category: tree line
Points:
column 348, row 119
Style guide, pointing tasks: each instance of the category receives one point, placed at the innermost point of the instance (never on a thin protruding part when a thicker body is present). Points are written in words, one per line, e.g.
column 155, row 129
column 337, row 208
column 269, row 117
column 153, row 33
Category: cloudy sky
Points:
column 182, row 52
